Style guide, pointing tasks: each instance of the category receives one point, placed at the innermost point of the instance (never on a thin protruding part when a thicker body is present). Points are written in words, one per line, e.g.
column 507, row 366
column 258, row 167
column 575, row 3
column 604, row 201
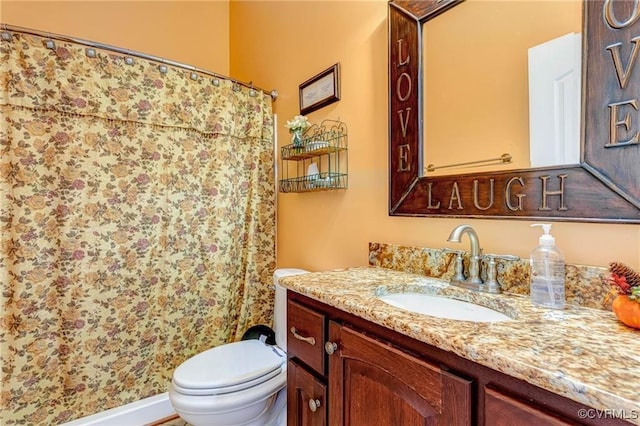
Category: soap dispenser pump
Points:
column 547, row 271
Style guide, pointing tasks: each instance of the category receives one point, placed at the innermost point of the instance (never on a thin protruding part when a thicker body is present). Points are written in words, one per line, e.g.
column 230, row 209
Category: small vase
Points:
column 296, row 138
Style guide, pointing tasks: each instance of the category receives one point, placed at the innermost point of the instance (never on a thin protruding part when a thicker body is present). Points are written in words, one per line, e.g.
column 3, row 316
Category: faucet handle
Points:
column 492, row 271
column 459, row 271
column 448, row 250
column 502, row 256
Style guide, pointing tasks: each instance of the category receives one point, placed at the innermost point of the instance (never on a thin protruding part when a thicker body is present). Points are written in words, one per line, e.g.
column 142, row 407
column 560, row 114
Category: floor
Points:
column 171, row 421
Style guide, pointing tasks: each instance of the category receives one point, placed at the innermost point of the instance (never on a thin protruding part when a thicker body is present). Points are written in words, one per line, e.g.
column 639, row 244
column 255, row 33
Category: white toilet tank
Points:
column 280, row 305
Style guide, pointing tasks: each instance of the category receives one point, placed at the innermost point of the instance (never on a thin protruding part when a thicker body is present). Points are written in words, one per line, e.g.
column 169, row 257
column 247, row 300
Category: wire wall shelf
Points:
column 319, row 182
column 319, row 163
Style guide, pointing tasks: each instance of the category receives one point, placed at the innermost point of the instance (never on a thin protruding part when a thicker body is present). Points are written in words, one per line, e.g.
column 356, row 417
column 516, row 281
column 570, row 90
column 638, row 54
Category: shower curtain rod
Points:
column 6, row 27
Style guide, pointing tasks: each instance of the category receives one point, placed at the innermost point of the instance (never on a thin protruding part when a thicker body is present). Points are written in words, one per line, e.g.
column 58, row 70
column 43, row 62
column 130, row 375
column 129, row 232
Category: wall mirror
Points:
column 492, row 85
column 562, row 105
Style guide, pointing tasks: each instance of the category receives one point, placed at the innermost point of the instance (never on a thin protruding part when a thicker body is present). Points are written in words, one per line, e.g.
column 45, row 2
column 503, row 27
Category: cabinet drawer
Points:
column 306, row 336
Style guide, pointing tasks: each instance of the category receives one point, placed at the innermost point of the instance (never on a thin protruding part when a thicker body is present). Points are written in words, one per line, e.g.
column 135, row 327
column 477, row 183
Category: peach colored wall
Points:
column 192, row 32
column 279, row 44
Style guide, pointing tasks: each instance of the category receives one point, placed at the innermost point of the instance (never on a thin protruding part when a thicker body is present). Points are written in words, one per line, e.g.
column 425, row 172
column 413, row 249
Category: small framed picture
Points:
column 320, row 90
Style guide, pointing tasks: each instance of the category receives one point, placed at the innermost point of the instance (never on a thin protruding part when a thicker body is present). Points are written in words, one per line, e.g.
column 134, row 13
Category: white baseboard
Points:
column 137, row 413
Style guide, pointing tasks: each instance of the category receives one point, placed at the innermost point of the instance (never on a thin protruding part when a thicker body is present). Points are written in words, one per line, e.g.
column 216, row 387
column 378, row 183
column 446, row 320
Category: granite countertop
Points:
column 580, row 353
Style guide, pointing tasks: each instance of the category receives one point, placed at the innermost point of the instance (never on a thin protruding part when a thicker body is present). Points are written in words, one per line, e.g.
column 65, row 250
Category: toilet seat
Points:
column 247, row 364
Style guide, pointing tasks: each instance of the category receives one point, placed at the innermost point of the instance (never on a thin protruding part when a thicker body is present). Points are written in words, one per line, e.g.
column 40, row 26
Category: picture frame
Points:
column 320, row 90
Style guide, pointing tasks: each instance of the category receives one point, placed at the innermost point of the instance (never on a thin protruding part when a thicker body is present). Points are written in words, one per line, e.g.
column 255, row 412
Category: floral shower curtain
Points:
column 137, row 212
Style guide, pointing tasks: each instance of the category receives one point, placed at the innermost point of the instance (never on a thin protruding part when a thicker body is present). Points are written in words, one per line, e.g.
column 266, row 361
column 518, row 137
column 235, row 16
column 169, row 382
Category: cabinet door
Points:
column 306, row 397
column 504, row 410
column 371, row 382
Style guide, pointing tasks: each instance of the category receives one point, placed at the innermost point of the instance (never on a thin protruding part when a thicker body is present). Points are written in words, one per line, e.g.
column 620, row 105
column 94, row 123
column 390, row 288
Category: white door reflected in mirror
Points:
column 554, row 101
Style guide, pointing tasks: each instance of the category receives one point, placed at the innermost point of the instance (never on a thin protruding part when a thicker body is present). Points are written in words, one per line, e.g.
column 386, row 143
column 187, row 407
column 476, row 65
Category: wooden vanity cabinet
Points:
column 376, row 376
column 370, row 381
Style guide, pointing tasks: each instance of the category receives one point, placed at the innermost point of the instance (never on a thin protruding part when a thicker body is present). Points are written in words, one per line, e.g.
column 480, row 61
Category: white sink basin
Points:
column 443, row 307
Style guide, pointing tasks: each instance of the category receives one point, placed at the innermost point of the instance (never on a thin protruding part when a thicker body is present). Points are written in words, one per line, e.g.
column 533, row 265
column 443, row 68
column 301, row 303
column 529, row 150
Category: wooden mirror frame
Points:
column 604, row 187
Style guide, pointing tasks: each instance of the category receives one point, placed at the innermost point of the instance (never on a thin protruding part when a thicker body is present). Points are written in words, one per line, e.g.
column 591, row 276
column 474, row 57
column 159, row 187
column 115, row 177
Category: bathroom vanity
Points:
column 354, row 359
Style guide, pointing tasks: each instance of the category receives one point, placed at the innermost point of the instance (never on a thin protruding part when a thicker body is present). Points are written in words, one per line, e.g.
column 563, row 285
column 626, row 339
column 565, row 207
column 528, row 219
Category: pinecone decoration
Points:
column 621, row 270
column 625, row 286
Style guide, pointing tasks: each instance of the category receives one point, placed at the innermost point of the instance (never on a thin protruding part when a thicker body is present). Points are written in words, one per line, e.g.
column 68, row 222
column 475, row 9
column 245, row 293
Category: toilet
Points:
column 239, row 383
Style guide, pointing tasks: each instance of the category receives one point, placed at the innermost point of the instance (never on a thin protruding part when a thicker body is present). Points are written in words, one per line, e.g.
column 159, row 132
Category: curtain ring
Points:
column 163, row 68
column 6, row 35
column 128, row 59
column 49, row 43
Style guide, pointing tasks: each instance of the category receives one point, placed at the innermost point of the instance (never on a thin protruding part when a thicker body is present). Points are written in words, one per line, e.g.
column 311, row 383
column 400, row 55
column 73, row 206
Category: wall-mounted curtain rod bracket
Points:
column 50, row 44
column 504, row 158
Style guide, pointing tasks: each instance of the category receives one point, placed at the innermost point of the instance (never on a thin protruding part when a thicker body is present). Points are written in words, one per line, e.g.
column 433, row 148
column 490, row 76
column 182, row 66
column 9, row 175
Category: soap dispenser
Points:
column 547, row 272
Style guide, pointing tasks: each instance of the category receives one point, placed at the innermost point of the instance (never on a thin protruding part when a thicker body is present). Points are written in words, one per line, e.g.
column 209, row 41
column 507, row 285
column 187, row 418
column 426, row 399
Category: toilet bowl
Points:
column 239, row 383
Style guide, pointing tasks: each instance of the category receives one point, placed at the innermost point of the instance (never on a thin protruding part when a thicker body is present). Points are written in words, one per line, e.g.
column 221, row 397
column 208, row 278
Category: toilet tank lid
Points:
column 286, row 272
column 228, row 365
